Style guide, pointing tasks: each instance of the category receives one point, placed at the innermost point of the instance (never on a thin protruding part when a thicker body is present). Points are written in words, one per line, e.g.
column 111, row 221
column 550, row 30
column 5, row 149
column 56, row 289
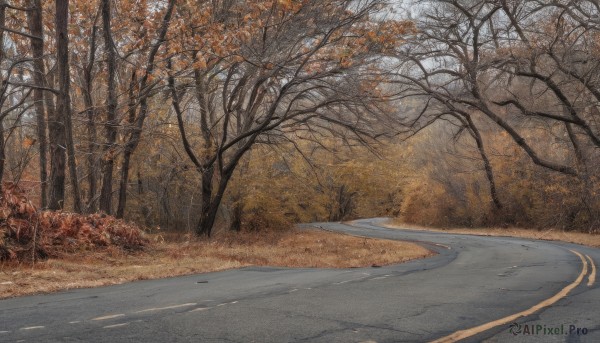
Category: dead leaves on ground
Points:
column 27, row 234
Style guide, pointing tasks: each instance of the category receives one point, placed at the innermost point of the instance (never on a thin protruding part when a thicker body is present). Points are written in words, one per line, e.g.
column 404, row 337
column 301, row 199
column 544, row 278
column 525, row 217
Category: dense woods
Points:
column 518, row 82
column 200, row 115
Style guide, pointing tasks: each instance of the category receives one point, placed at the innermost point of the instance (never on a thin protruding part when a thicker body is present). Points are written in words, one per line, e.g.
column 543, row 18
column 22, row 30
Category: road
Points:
column 472, row 281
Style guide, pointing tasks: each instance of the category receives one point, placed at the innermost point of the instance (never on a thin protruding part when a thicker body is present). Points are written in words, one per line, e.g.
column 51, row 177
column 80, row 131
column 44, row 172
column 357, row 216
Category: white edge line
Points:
column 166, row 308
column 109, row 317
column 443, row 246
column 346, row 281
column 33, row 328
column 115, row 325
column 200, row 309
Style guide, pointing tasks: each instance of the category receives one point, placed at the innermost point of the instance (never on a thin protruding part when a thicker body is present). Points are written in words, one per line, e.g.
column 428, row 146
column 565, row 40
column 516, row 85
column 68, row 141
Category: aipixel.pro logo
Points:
column 540, row 329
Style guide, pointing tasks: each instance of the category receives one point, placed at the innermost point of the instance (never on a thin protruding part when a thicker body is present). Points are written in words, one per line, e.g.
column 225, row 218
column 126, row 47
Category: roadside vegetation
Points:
column 167, row 255
column 552, row 234
column 48, row 251
column 29, row 235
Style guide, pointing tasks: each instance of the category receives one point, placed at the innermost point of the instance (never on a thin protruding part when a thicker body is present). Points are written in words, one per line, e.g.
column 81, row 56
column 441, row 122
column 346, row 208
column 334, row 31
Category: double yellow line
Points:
column 462, row 334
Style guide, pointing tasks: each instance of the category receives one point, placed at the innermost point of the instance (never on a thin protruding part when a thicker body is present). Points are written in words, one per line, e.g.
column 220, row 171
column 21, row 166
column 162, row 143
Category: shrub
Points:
column 29, row 234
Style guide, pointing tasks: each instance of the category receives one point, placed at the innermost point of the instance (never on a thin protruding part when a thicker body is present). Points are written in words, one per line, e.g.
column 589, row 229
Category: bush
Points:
column 28, row 234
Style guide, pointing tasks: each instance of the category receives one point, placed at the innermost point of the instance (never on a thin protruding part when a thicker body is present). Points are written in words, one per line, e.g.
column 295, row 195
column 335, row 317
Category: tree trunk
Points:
column 139, row 183
column 64, row 83
column 34, row 18
column 586, row 196
column 58, row 156
column 88, row 100
column 60, row 125
column 237, row 214
column 490, row 176
column 91, row 156
column 129, row 149
column 55, row 142
column 58, row 159
column 49, row 101
column 2, row 147
column 134, row 138
column 111, row 113
column 2, row 152
column 489, row 172
column 131, row 109
column 124, row 181
column 210, row 207
column 207, row 220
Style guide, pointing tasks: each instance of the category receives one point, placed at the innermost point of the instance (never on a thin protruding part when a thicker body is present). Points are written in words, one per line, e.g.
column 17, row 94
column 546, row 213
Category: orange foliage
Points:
column 448, row 187
column 27, row 234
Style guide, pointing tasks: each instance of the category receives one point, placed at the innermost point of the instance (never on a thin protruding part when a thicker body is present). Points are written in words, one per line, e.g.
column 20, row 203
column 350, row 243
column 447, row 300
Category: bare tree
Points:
column 35, row 21
column 138, row 112
column 296, row 77
column 111, row 111
column 476, row 60
column 12, row 93
column 87, row 76
column 60, row 126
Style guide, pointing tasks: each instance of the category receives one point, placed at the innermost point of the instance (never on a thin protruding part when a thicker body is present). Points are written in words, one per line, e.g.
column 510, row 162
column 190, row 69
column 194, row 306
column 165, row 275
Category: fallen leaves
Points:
column 27, row 234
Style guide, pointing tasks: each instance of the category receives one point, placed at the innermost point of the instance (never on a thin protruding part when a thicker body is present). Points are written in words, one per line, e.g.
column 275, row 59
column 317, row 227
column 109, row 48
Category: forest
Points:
column 196, row 116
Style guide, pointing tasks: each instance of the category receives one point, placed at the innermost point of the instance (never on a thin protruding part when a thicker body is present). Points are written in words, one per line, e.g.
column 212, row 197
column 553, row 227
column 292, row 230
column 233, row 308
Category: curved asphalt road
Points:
column 476, row 281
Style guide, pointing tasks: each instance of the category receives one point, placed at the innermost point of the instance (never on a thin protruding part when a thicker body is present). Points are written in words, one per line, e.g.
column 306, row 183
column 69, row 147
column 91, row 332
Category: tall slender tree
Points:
column 92, row 113
column 61, row 131
column 36, row 26
column 2, row 147
column 137, row 123
column 111, row 112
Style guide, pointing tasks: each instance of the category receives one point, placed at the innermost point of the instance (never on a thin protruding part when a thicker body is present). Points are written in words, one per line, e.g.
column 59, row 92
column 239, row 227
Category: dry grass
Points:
column 588, row 239
column 172, row 255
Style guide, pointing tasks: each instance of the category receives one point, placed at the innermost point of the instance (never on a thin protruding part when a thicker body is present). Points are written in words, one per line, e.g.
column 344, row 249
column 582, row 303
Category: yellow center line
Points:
column 462, row 334
column 592, row 277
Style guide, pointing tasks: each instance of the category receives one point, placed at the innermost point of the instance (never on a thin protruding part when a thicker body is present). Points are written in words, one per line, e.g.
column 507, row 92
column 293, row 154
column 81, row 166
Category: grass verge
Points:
column 592, row 240
column 174, row 255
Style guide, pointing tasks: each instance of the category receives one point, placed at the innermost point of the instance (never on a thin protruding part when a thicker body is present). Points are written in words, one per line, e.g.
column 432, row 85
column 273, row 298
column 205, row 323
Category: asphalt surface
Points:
column 471, row 281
